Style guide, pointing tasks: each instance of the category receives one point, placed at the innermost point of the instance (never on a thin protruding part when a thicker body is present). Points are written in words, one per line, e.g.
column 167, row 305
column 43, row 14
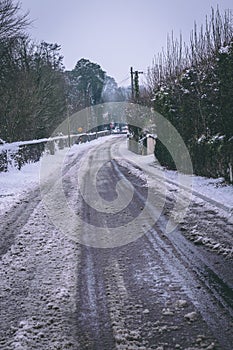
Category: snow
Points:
column 48, row 264
column 214, row 189
column 224, row 49
column 44, row 264
column 14, row 183
column 15, row 145
column 201, row 139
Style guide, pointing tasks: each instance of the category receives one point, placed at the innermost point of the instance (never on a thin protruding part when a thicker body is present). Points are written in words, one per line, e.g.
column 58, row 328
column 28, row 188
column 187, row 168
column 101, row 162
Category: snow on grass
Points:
column 215, row 189
column 15, row 183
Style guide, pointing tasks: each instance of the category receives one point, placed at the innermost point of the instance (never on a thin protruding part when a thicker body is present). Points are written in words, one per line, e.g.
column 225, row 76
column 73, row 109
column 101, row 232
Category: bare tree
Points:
column 12, row 22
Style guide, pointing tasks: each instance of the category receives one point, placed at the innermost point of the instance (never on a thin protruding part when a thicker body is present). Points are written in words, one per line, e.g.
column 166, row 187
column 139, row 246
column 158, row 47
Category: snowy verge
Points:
column 14, row 184
column 213, row 189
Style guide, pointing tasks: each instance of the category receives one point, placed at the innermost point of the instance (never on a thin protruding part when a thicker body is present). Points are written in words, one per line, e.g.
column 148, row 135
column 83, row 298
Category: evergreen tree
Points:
column 85, row 84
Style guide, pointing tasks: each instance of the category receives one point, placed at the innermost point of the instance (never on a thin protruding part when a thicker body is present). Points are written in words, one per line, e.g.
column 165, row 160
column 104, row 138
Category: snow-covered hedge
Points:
column 213, row 157
column 19, row 153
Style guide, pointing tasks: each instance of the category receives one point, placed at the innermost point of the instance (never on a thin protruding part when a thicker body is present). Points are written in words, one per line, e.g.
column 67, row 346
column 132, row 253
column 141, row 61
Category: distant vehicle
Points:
column 124, row 129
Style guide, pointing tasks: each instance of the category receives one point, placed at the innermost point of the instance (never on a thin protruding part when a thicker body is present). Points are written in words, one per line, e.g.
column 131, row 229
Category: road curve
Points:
column 158, row 291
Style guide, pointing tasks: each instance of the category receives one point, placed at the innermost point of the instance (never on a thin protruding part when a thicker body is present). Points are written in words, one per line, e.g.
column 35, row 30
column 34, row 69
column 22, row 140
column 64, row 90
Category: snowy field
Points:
column 14, row 183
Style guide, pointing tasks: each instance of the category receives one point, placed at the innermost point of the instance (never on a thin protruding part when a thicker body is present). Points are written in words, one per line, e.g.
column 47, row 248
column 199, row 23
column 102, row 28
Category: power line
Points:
column 122, row 81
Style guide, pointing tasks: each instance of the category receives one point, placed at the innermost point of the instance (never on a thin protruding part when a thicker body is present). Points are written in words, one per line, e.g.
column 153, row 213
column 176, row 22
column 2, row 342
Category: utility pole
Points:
column 134, row 83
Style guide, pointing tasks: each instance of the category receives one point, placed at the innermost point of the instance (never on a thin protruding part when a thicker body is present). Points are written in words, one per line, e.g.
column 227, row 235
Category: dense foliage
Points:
column 31, row 91
column 32, row 94
column 88, row 85
column 35, row 91
column 192, row 86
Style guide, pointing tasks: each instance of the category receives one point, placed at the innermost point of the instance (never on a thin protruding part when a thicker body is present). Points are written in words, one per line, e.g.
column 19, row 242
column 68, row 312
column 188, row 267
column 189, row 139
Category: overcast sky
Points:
column 116, row 34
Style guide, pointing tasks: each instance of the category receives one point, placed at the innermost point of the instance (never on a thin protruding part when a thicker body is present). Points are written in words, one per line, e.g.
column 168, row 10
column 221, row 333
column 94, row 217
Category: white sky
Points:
column 116, row 34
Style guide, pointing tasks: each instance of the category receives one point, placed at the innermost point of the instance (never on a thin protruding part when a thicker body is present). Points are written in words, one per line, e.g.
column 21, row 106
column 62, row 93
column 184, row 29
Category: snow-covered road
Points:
column 147, row 289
